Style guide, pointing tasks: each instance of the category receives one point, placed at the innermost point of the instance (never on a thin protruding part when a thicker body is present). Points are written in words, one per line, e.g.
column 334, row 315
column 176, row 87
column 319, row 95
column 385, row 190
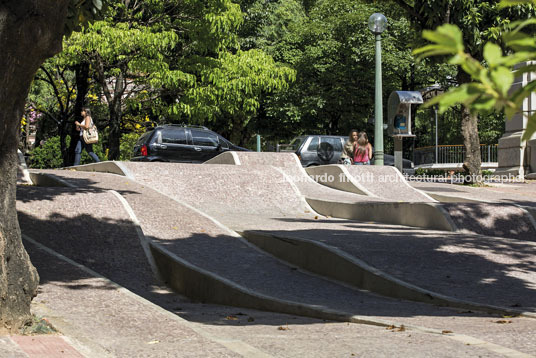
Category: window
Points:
column 204, row 138
column 313, row 146
column 334, row 142
column 144, row 136
column 174, row 136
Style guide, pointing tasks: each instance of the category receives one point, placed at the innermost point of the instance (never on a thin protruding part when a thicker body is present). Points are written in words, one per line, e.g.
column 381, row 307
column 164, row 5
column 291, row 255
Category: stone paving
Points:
column 89, row 225
column 523, row 194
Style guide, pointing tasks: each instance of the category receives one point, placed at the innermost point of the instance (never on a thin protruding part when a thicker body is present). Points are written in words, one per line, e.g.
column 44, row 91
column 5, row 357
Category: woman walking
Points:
column 87, row 122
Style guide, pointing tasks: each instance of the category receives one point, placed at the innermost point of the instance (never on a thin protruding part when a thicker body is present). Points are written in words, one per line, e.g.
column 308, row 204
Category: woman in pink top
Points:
column 363, row 151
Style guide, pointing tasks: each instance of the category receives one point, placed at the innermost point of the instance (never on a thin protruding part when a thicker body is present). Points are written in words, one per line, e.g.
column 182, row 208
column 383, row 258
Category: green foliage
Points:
column 492, row 81
column 127, row 145
column 48, row 155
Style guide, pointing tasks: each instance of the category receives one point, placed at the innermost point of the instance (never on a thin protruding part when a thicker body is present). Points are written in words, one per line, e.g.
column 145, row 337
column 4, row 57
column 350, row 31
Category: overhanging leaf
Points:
column 531, row 128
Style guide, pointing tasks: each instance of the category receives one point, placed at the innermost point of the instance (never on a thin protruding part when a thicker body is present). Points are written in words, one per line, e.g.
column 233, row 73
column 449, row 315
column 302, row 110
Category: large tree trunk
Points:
column 30, row 31
column 472, row 163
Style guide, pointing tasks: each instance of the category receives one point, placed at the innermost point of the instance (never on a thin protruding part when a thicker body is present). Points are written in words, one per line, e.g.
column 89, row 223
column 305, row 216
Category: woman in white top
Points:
column 86, row 123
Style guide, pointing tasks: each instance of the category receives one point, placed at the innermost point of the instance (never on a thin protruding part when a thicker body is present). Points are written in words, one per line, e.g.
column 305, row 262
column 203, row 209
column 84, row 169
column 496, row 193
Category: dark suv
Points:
column 180, row 143
column 327, row 149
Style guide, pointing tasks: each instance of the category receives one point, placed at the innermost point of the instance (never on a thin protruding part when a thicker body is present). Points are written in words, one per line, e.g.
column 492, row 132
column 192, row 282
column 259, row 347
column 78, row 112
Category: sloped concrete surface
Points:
column 383, row 182
column 150, row 207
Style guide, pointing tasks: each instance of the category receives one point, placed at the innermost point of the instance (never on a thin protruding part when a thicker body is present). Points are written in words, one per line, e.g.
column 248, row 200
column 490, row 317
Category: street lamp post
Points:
column 377, row 24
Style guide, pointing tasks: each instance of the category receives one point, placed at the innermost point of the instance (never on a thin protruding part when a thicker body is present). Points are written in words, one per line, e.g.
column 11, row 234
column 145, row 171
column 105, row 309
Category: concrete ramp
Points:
column 384, row 182
column 223, row 189
column 289, row 164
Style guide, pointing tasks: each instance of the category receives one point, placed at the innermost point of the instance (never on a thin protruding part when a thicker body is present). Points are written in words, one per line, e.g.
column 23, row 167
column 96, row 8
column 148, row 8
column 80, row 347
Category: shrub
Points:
column 126, row 146
column 48, row 155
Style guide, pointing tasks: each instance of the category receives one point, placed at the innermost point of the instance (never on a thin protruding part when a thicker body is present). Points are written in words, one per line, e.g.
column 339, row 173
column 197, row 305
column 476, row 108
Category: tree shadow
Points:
column 488, row 270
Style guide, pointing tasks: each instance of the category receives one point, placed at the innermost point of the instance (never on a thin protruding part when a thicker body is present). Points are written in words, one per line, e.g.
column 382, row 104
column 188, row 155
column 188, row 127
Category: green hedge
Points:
column 48, row 155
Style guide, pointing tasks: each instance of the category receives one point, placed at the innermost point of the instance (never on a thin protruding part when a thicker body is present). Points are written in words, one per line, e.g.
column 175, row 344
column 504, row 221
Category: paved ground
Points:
column 514, row 193
column 99, row 318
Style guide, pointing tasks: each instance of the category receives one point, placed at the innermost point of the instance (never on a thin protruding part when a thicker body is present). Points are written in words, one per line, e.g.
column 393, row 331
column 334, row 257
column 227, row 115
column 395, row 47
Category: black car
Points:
column 180, row 143
column 327, row 149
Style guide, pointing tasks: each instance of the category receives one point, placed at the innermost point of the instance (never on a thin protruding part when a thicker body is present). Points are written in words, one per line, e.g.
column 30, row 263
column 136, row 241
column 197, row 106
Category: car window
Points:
column 204, row 138
column 313, row 145
column 174, row 136
column 144, row 137
column 334, row 142
column 296, row 143
column 224, row 143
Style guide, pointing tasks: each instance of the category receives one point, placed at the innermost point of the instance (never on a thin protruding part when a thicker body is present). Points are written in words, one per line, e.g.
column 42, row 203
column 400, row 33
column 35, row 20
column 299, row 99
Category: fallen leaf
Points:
column 316, row 217
column 503, row 321
column 401, row 328
column 390, row 327
column 446, row 332
column 281, row 328
column 231, row 318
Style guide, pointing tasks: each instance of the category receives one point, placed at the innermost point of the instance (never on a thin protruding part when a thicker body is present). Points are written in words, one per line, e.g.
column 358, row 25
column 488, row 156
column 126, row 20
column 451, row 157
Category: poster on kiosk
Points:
column 399, row 112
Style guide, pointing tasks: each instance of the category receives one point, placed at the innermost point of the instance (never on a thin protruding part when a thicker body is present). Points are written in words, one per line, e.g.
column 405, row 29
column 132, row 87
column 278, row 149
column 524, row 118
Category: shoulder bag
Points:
column 91, row 135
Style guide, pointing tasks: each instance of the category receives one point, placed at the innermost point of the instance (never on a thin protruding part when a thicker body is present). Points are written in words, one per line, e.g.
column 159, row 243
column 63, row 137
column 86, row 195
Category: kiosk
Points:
column 399, row 119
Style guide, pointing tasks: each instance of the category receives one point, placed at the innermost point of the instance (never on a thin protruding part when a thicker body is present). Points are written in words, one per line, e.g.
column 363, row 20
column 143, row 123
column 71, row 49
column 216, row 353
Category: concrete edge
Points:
column 297, row 191
column 405, row 182
column 24, row 168
column 228, row 157
column 113, row 167
column 451, row 199
column 49, row 180
column 319, row 173
column 338, row 265
column 423, row 215
column 234, row 345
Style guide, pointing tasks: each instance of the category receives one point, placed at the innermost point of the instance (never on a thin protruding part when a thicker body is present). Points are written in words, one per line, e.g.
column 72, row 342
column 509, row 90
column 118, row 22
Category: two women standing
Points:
column 357, row 149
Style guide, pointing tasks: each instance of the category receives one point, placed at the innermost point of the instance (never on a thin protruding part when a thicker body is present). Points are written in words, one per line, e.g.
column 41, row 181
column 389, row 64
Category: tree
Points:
column 490, row 86
column 332, row 51
column 479, row 21
column 30, row 32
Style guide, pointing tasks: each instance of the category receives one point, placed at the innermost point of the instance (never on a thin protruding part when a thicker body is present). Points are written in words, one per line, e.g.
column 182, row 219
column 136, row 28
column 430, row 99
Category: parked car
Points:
column 327, row 149
column 180, row 143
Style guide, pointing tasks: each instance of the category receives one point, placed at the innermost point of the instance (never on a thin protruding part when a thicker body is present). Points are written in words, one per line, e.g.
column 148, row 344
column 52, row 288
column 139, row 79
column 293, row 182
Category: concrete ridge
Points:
column 423, row 215
column 236, row 346
column 84, row 344
column 111, row 166
column 296, row 190
column 405, row 182
column 351, row 185
column 328, row 261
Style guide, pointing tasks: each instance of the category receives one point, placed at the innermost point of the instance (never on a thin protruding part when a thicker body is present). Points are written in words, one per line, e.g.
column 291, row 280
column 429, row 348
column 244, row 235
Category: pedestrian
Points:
column 363, row 151
column 348, row 150
column 87, row 122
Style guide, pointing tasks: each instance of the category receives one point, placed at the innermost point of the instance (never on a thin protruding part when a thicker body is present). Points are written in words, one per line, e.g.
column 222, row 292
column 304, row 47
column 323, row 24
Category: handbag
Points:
column 91, row 135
